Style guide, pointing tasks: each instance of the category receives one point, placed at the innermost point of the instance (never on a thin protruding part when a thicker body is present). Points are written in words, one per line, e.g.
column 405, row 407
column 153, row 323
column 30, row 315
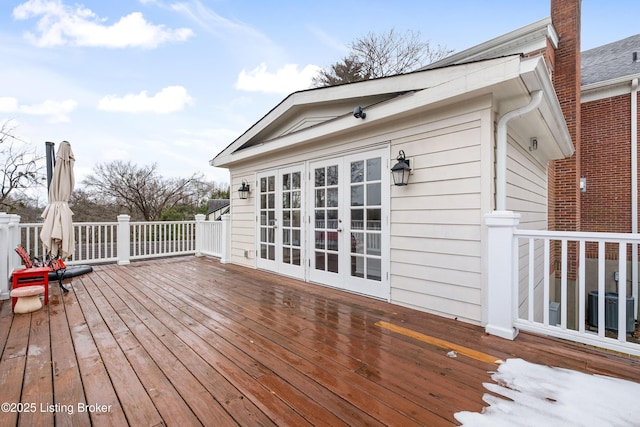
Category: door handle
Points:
column 339, row 230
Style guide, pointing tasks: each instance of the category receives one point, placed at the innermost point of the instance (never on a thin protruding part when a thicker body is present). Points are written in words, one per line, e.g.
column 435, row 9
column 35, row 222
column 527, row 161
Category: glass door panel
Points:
column 325, row 219
column 291, row 213
column 267, row 217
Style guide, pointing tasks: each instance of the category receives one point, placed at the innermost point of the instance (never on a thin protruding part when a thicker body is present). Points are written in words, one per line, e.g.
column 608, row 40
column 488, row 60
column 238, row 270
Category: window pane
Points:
column 286, row 200
column 357, row 219
column 295, row 238
column 332, row 197
column 320, row 177
column 320, row 240
column 332, row 175
column 320, row 219
column 272, row 252
column 332, row 263
column 271, row 200
column 285, row 236
column 332, row 219
column 295, row 256
column 295, row 181
column 320, row 198
column 374, row 169
column 286, row 181
column 263, row 251
column 357, row 243
column 296, row 199
column 357, row 171
column 296, row 219
column 357, row 266
column 374, row 269
column 332, row 240
column 374, row 197
column 263, row 201
column 357, row 195
column 263, row 185
column 286, row 253
column 271, row 183
column 373, row 219
column 373, row 244
column 286, row 219
column 320, row 261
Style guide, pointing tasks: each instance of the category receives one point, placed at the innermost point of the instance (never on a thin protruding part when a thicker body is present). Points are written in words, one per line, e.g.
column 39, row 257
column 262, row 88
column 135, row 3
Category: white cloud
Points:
column 56, row 111
column 168, row 100
column 284, row 81
column 60, row 24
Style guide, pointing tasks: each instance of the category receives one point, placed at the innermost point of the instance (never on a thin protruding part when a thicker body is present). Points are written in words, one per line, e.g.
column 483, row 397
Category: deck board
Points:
column 189, row 341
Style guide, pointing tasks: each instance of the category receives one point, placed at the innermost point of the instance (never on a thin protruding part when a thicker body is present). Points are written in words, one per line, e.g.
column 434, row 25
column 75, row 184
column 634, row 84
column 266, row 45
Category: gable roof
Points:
column 611, row 61
column 509, row 79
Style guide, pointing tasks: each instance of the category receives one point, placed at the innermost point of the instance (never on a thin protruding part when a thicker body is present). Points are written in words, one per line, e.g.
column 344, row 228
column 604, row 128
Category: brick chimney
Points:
column 564, row 175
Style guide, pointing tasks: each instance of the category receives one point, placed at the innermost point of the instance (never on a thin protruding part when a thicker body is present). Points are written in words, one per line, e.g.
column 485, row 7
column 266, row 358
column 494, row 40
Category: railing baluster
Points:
column 547, row 273
column 531, row 278
column 622, row 292
column 601, row 289
column 582, row 286
column 563, row 286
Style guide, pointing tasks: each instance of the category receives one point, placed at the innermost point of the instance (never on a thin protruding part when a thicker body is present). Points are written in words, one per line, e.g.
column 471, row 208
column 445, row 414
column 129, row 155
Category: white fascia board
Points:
column 526, row 39
column 535, row 76
column 607, row 88
column 438, row 84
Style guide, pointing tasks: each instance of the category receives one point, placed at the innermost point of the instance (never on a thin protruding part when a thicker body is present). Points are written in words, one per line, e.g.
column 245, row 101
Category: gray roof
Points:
column 216, row 204
column 611, row 61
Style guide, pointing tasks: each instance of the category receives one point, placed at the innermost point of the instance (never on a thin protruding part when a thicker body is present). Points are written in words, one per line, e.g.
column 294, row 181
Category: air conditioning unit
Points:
column 610, row 311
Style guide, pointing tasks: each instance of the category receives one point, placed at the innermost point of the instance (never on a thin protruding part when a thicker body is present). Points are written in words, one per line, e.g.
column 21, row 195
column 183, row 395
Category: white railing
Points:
column 120, row 242
column 587, row 266
column 562, row 284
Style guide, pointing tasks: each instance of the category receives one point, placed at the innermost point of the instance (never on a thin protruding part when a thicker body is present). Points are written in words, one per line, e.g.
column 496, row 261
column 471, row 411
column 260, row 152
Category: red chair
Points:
column 29, row 276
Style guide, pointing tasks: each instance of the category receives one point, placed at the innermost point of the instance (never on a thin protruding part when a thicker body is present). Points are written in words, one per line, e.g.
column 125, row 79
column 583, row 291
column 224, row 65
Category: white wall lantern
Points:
column 401, row 170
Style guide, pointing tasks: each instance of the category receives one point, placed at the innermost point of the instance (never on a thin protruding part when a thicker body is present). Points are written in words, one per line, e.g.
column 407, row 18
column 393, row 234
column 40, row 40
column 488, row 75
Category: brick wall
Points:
column 565, row 15
column 606, row 163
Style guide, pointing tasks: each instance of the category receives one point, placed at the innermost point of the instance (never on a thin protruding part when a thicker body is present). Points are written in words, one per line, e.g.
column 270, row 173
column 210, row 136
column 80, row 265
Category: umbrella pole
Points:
column 51, row 161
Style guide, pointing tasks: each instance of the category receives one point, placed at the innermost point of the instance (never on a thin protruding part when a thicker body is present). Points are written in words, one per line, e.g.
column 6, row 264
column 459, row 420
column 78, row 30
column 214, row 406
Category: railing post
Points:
column 226, row 239
column 5, row 241
column 14, row 241
column 200, row 233
column 502, row 272
column 124, row 239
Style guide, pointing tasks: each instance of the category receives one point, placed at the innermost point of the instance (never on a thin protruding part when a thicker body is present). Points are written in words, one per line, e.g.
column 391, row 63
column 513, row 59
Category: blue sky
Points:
column 173, row 82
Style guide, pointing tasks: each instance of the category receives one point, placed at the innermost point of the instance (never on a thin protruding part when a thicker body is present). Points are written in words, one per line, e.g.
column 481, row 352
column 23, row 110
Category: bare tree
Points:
column 142, row 191
column 20, row 168
column 381, row 55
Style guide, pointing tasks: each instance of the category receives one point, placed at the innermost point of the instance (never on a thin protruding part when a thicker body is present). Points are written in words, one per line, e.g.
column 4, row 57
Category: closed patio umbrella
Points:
column 57, row 230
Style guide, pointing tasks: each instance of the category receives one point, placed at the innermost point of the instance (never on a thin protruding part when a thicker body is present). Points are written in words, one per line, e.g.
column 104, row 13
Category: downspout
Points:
column 501, row 148
column 634, row 190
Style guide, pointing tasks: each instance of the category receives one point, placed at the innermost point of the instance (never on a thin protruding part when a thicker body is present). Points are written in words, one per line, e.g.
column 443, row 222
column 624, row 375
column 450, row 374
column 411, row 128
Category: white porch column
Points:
column 502, row 273
column 5, row 241
column 226, row 239
column 124, row 239
column 200, row 233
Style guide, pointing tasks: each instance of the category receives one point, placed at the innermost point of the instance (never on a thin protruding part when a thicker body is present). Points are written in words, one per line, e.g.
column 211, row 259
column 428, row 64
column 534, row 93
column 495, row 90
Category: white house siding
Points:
column 437, row 220
column 527, row 195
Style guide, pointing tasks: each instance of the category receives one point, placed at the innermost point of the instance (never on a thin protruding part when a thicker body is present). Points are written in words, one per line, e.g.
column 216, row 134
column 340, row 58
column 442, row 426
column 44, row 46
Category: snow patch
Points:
column 527, row 394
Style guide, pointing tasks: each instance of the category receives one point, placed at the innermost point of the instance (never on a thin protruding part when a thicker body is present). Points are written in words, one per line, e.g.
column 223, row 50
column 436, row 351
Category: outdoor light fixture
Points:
column 359, row 113
column 401, row 170
column 243, row 191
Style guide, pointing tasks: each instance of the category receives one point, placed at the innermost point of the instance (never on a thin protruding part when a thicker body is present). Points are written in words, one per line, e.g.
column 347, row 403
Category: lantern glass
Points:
column 401, row 170
column 243, row 191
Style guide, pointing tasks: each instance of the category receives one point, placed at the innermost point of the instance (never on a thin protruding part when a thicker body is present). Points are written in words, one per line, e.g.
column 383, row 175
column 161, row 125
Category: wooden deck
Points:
column 189, row 341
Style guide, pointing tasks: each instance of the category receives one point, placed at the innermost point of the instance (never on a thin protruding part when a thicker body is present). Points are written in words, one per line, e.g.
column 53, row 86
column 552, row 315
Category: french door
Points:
column 349, row 217
column 280, row 214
